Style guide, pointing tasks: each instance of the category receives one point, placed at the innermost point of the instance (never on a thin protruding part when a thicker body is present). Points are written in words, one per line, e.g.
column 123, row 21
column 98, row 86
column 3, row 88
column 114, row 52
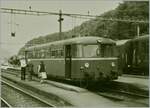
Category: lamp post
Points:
column 26, row 59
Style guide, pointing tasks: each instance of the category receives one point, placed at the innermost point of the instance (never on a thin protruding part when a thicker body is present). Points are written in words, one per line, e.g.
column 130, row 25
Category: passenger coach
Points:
column 134, row 55
column 77, row 58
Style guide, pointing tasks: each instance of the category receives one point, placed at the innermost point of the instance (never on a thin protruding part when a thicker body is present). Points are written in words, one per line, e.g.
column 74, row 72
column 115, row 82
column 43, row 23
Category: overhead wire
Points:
column 31, row 12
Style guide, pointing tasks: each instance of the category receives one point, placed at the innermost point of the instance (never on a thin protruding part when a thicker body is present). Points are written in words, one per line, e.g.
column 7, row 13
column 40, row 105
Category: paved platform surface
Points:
column 76, row 96
column 140, row 82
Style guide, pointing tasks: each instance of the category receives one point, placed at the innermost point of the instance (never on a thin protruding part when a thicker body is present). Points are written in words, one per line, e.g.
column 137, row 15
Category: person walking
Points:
column 42, row 71
column 23, row 68
column 30, row 70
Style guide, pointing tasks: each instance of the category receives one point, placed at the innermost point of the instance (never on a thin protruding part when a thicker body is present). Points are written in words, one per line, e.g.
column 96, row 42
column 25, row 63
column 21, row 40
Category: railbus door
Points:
column 68, row 61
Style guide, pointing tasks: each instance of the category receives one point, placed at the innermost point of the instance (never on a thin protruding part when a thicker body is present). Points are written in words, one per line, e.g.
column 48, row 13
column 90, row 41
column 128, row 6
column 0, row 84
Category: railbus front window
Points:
column 90, row 50
column 101, row 50
column 107, row 50
column 84, row 50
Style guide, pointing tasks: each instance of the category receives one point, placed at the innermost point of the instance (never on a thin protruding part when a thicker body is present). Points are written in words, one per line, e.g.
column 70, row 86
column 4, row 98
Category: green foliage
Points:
column 14, row 60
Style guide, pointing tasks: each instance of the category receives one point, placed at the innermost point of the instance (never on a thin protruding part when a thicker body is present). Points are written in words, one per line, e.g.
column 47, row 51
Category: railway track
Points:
column 4, row 103
column 26, row 93
column 11, row 71
column 134, row 100
column 130, row 94
column 120, row 95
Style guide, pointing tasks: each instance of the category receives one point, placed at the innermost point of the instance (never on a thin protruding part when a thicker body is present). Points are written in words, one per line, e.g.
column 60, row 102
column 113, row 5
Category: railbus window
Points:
column 49, row 52
column 61, row 53
column 29, row 55
column 54, row 52
column 107, row 50
column 90, row 50
column 34, row 53
column 76, row 51
column 46, row 53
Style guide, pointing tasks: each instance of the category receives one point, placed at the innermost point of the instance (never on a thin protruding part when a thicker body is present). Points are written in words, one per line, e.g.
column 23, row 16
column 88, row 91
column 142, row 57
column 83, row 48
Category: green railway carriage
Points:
column 137, row 56
column 77, row 58
column 134, row 56
column 120, row 53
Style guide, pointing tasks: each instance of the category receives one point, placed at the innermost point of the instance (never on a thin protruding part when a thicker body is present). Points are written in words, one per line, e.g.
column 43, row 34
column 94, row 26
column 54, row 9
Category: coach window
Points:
column 53, row 53
column 34, row 53
column 61, row 53
column 49, row 52
column 40, row 54
column 43, row 54
column 46, row 53
column 37, row 54
column 56, row 53
column 29, row 55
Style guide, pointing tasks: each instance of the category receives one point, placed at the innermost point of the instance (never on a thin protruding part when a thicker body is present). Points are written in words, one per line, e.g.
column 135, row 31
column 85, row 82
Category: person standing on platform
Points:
column 30, row 70
column 23, row 68
column 42, row 71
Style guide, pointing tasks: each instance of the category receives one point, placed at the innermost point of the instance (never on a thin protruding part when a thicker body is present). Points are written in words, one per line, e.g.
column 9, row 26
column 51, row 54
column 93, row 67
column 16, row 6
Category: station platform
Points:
column 137, row 81
column 76, row 96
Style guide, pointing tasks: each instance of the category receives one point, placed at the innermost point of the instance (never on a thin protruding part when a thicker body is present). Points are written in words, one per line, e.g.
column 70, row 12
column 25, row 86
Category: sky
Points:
column 28, row 27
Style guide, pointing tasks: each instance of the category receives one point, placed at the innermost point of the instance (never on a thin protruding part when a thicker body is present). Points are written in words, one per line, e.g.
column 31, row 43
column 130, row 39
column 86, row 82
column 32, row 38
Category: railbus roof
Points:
column 77, row 40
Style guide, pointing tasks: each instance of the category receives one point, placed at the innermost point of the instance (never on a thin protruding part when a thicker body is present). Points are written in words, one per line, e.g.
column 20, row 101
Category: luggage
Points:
column 43, row 75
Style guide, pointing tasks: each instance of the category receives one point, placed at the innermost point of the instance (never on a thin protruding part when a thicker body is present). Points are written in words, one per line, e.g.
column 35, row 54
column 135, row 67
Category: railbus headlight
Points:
column 86, row 65
column 81, row 68
column 113, row 64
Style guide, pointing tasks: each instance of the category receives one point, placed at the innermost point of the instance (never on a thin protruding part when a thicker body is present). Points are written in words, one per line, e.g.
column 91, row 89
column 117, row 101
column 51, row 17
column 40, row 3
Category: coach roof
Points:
column 77, row 40
column 140, row 38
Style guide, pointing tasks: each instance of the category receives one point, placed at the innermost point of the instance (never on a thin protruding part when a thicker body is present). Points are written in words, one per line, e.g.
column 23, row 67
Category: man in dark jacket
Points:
column 42, row 71
column 30, row 70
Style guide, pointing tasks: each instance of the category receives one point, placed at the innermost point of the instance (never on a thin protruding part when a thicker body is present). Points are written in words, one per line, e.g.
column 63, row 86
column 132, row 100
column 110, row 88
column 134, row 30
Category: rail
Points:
column 27, row 93
column 5, row 102
column 106, row 94
column 130, row 93
column 118, row 95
